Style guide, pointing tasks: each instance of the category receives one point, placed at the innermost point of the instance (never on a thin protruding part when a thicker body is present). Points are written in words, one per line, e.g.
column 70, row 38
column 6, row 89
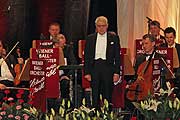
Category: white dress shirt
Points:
column 51, row 37
column 101, row 46
column 172, row 46
column 5, row 72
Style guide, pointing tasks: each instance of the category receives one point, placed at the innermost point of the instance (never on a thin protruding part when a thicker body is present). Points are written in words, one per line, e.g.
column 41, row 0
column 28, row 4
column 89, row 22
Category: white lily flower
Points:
column 52, row 111
column 154, row 105
column 142, row 105
column 168, row 85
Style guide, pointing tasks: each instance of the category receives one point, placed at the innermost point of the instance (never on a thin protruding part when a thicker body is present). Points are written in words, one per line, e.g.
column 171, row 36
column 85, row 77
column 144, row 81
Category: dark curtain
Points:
column 3, row 18
column 105, row 8
column 24, row 20
column 18, row 24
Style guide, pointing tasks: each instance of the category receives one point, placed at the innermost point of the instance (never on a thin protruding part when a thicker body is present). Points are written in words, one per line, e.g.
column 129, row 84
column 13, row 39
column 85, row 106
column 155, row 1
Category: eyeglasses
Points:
column 101, row 25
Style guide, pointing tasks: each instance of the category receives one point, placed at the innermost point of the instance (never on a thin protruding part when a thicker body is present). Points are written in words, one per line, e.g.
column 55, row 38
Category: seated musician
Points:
column 7, row 73
column 69, row 60
column 136, row 90
column 54, row 30
column 154, row 28
column 170, row 35
column 148, row 44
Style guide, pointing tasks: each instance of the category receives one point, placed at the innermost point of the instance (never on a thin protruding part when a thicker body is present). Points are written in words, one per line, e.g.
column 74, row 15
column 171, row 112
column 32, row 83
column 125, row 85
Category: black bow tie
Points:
column 147, row 55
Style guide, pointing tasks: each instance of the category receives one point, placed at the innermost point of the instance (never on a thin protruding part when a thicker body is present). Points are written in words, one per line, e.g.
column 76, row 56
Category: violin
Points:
column 18, row 69
column 143, row 86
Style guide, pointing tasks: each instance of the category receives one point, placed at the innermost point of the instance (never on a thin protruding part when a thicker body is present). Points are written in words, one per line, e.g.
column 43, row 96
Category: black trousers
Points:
column 102, row 82
column 64, row 88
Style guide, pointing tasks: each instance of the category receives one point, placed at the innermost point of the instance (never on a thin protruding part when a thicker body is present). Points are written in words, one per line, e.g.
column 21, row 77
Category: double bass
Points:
column 143, row 86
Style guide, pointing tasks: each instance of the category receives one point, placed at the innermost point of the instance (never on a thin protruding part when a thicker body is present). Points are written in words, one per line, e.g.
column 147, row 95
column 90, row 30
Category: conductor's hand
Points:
column 115, row 77
column 2, row 86
column 88, row 77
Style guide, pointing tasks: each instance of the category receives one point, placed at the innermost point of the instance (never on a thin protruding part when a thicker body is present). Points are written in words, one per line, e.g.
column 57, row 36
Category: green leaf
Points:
column 170, row 104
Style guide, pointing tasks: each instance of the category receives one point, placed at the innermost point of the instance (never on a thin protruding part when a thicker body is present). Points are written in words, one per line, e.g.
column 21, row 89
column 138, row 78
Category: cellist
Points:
column 143, row 73
column 148, row 44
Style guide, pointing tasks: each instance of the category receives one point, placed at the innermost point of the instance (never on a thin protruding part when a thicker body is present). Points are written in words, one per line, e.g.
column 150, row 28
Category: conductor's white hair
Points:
column 101, row 19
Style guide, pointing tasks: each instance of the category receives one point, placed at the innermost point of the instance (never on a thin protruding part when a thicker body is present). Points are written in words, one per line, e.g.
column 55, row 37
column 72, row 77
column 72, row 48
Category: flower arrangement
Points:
column 16, row 108
column 21, row 109
column 162, row 105
column 83, row 113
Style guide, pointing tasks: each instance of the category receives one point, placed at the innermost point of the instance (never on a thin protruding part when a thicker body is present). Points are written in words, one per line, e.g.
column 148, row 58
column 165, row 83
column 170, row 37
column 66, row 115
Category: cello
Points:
column 143, row 86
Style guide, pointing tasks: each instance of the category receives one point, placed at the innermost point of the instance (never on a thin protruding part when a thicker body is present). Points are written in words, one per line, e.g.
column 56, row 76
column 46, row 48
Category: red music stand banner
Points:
column 37, row 82
column 138, row 47
column 42, row 44
column 50, row 78
column 51, row 56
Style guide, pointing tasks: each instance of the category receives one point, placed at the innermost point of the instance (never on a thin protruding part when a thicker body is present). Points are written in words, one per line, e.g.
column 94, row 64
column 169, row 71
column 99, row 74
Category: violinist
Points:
column 7, row 73
column 170, row 35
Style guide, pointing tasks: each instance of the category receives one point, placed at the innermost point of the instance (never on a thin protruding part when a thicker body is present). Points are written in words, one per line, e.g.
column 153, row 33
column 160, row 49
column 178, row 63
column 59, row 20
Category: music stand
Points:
column 24, row 75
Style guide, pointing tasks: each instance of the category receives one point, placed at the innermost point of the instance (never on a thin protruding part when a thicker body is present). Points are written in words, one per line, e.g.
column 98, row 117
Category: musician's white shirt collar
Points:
column 5, row 72
column 147, row 57
column 158, row 37
column 172, row 46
